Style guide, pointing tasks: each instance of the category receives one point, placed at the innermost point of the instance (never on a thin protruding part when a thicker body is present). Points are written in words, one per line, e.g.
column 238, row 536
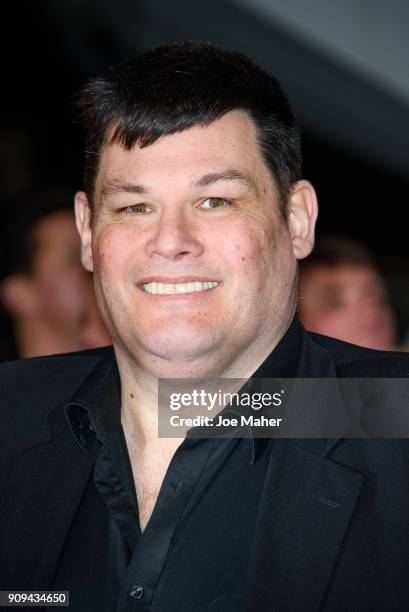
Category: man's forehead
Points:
column 225, row 150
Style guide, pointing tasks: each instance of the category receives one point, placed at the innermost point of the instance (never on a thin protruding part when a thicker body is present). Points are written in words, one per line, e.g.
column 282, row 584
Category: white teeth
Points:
column 171, row 289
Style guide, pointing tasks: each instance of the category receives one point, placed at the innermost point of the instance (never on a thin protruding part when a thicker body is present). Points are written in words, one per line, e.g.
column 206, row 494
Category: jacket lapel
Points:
column 46, row 485
column 304, row 514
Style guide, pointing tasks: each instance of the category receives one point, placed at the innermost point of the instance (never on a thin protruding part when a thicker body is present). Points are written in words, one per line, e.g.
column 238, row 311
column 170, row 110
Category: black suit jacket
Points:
column 332, row 531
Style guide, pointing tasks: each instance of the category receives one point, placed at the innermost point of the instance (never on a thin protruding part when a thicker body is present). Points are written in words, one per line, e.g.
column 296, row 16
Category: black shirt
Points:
column 193, row 554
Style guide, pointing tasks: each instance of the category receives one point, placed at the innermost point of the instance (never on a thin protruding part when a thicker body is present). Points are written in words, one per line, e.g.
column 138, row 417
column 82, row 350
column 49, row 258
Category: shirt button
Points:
column 136, row 591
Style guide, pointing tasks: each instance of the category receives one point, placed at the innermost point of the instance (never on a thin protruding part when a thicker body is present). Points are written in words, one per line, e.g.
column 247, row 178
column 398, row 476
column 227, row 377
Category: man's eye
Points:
column 136, row 208
column 215, row 203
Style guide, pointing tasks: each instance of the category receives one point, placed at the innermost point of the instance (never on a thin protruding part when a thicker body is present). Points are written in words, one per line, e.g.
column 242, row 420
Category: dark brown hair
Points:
column 172, row 88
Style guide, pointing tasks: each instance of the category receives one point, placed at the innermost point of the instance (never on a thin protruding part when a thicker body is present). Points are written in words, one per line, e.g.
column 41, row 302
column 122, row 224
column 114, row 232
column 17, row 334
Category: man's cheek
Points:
column 251, row 260
column 246, row 248
column 107, row 259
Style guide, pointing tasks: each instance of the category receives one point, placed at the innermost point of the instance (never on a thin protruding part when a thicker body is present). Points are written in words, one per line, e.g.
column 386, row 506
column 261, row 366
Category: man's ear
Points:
column 302, row 216
column 20, row 297
column 83, row 220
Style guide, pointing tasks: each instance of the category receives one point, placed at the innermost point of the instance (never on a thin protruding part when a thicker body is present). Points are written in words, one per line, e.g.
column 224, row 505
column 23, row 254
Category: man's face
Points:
column 348, row 302
column 189, row 252
column 63, row 288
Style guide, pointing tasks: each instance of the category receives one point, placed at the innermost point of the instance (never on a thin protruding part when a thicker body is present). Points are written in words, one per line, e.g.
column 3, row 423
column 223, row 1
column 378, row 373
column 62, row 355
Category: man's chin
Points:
column 178, row 347
column 186, row 352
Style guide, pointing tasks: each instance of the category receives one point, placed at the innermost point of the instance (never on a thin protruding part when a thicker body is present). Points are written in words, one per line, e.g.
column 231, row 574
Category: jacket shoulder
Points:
column 39, row 383
column 355, row 361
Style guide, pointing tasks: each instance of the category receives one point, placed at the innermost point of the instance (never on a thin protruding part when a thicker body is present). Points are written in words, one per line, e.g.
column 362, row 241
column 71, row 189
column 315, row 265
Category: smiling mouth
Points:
column 178, row 288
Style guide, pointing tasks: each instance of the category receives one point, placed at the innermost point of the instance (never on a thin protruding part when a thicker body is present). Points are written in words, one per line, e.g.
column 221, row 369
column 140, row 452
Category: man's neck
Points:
column 139, row 386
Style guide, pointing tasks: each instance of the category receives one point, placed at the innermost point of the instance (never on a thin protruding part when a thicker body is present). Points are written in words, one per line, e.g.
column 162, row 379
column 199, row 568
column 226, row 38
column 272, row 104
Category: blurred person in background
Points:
column 44, row 287
column 343, row 294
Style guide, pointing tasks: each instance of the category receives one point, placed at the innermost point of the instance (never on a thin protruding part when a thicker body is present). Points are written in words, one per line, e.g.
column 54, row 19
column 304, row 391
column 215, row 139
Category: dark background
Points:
column 356, row 136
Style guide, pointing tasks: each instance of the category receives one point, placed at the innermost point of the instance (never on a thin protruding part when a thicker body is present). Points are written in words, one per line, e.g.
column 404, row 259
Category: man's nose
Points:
column 175, row 236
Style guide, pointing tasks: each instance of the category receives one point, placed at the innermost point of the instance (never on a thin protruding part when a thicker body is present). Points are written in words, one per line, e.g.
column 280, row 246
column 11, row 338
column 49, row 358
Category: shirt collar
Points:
column 95, row 410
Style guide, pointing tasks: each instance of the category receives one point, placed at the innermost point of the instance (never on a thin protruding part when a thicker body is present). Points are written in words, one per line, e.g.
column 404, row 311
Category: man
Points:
column 43, row 286
column 343, row 295
column 193, row 217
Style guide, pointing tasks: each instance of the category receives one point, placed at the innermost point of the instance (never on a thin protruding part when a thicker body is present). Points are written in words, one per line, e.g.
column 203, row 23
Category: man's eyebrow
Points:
column 226, row 175
column 113, row 187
